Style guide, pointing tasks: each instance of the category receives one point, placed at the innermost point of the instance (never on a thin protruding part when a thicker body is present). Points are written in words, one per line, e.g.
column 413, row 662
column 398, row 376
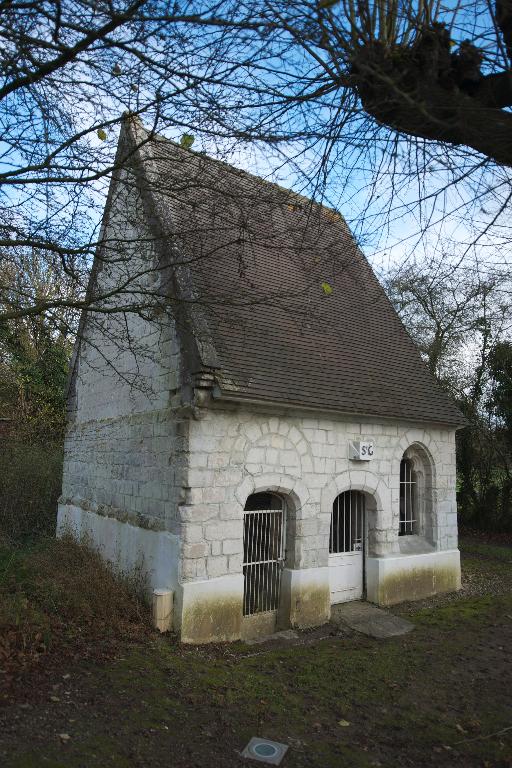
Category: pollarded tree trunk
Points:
column 425, row 90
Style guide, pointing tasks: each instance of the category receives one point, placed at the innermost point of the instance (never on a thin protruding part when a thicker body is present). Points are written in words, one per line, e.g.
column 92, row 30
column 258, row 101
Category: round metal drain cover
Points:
column 264, row 750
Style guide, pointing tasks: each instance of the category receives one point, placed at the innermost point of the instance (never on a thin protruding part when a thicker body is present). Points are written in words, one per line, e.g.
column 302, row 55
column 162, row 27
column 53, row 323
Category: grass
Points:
column 492, row 551
column 437, row 697
column 60, row 592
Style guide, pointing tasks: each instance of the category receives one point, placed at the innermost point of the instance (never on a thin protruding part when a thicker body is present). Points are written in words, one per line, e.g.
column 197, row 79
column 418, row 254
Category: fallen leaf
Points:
column 343, row 723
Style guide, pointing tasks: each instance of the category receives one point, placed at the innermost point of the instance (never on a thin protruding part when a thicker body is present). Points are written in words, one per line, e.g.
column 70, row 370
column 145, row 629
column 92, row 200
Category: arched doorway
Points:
column 347, row 547
column 264, row 552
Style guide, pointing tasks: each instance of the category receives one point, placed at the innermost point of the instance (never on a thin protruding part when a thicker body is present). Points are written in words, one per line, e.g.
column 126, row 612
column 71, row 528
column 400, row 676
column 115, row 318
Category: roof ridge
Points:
column 232, row 168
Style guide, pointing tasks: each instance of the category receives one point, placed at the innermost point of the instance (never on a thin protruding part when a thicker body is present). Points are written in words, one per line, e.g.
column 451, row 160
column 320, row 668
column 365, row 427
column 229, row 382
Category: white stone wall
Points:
column 130, row 468
column 236, row 452
column 125, row 451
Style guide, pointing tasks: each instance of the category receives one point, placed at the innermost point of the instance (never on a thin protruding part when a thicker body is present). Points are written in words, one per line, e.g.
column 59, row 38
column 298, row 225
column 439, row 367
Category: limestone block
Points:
column 256, row 455
column 294, row 435
column 225, row 529
column 235, row 563
column 216, row 566
column 232, row 546
column 197, row 513
column 195, row 550
column 216, row 547
column 253, row 432
column 302, row 447
column 306, row 464
column 273, row 425
column 197, row 459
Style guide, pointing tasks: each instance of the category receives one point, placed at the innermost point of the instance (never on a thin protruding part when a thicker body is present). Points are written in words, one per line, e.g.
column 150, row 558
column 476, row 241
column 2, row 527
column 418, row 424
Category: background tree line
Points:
column 461, row 321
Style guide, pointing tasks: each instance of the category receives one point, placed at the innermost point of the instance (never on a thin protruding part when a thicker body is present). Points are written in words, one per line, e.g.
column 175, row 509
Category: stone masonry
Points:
column 159, row 465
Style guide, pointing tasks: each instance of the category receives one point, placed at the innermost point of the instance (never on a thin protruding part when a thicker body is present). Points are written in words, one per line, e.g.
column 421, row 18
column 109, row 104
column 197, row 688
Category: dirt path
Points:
column 441, row 696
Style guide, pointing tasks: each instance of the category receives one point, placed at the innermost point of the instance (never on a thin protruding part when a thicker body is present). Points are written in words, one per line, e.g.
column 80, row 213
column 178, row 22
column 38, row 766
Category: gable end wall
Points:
column 126, row 443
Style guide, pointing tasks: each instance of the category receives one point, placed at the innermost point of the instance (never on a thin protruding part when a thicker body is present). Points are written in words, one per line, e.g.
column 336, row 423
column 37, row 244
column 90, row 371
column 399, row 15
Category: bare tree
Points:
column 368, row 97
column 460, row 316
column 456, row 313
column 69, row 72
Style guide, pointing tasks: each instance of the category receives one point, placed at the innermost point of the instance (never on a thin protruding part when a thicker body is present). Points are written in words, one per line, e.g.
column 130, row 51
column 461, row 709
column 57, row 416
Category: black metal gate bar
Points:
column 264, row 533
column 347, row 521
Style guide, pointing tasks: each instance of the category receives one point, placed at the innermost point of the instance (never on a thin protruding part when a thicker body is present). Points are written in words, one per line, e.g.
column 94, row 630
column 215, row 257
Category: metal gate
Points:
column 264, row 532
column 346, row 547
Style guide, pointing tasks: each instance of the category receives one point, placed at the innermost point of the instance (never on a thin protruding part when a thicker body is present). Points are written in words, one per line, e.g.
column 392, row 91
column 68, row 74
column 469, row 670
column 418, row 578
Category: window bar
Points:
column 260, row 558
column 407, row 511
column 339, row 513
column 246, row 559
column 251, row 560
column 249, row 574
column 339, row 532
column 350, row 545
column 358, row 516
column 254, row 567
column 272, row 556
column 280, row 523
column 411, row 516
column 263, row 558
column 344, row 518
column 268, row 557
column 408, row 492
column 276, row 574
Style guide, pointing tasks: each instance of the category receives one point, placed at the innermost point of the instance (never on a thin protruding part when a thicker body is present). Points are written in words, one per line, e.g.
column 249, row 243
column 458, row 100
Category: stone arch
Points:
column 296, row 496
column 381, row 538
column 269, row 444
column 425, row 443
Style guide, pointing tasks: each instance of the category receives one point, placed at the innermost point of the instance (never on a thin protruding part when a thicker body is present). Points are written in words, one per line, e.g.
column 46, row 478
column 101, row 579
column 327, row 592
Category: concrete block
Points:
column 162, row 609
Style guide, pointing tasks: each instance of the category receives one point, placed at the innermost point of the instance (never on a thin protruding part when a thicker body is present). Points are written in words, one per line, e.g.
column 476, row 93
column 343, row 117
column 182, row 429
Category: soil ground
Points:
column 440, row 696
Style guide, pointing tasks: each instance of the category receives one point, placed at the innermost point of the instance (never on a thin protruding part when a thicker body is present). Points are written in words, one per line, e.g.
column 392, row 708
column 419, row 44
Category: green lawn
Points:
column 440, row 696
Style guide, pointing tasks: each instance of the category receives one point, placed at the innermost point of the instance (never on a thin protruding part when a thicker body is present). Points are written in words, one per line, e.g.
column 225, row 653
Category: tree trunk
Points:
column 428, row 92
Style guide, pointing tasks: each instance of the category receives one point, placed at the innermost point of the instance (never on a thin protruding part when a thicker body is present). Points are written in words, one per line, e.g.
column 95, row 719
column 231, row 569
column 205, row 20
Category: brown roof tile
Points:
column 258, row 256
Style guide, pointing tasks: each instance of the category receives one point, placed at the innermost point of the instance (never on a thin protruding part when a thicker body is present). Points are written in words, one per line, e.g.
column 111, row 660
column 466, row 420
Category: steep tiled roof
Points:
column 293, row 310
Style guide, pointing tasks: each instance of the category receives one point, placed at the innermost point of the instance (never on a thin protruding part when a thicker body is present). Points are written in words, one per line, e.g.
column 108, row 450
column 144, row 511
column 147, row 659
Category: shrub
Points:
column 30, row 483
column 60, row 594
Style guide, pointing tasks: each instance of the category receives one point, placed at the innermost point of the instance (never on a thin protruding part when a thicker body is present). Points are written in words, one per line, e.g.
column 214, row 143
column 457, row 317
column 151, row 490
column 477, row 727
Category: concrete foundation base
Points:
column 305, row 598
column 210, row 611
column 397, row 578
column 259, row 625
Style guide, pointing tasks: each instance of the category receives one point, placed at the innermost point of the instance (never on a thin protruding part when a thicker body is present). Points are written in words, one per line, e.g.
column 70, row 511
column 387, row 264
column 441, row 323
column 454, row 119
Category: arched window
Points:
column 408, row 499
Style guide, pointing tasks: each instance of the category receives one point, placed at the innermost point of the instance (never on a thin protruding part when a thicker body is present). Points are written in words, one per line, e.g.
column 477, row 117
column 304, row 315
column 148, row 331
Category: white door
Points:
column 346, row 547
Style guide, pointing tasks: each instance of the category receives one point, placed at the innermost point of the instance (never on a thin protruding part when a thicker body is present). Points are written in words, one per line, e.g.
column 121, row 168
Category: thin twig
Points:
column 488, row 736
